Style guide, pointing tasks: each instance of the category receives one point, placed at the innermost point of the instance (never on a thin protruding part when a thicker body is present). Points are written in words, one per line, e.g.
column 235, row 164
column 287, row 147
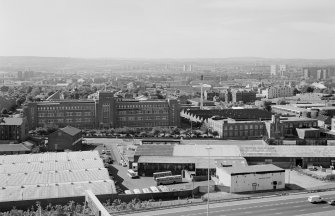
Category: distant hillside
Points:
column 15, row 63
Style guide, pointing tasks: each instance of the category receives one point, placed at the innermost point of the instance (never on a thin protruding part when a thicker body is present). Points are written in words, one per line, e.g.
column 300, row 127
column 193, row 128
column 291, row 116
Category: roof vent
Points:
column 57, row 184
column 3, row 188
column 37, row 186
column 22, row 186
column 90, row 182
column 8, row 174
column 40, row 172
column 26, row 173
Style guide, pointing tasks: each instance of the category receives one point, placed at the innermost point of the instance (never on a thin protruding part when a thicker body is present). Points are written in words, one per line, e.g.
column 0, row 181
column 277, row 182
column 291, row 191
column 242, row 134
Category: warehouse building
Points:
column 251, row 178
column 52, row 175
column 155, row 158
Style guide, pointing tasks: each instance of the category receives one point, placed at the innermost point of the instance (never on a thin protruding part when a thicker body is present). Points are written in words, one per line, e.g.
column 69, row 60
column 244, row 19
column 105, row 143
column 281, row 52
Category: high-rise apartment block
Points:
column 319, row 73
column 278, row 70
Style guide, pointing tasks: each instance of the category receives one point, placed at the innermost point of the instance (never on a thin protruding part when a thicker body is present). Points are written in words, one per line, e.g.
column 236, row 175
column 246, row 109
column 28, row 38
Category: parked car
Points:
column 331, row 202
column 315, row 199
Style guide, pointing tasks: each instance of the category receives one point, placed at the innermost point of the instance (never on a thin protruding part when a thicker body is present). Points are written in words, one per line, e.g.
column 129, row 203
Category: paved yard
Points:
column 306, row 182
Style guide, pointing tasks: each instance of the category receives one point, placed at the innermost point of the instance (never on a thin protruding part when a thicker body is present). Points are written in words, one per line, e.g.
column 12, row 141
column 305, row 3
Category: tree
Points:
column 281, row 102
column 215, row 133
column 307, row 89
column 296, row 91
column 4, row 88
column 4, row 111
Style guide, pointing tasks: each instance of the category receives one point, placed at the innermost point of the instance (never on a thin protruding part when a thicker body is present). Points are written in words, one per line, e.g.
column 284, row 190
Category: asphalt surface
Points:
column 279, row 206
column 284, row 207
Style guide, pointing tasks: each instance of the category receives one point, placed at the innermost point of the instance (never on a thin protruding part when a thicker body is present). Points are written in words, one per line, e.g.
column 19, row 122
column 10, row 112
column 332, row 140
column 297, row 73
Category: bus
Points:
column 161, row 174
column 132, row 174
column 169, row 180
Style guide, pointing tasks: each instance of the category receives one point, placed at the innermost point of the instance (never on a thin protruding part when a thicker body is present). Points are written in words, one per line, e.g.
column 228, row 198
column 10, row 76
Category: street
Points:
column 286, row 205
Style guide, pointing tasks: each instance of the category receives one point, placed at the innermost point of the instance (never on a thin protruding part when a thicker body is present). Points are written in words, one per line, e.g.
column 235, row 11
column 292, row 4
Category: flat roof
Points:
column 223, row 142
column 14, row 148
column 219, row 151
column 203, row 151
column 252, row 169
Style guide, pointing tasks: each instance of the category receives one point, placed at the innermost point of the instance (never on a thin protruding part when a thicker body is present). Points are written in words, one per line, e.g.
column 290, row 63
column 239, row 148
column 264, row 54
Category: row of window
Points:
column 141, row 105
column 241, row 127
column 141, row 118
column 160, row 111
column 51, row 121
column 143, row 124
column 66, row 108
column 62, row 114
column 242, row 133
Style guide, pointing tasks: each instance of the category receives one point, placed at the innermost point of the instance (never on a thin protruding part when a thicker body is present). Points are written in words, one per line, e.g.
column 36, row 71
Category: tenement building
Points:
column 105, row 111
column 13, row 129
column 278, row 91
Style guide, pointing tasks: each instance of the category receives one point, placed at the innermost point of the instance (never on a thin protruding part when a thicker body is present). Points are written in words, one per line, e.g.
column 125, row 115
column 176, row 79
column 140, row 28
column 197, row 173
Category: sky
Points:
column 168, row 28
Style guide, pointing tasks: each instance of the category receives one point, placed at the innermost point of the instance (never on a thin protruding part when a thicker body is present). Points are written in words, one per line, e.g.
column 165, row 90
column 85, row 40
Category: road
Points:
column 277, row 206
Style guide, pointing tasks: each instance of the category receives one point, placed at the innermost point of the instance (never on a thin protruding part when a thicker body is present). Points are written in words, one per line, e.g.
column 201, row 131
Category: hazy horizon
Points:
column 168, row 29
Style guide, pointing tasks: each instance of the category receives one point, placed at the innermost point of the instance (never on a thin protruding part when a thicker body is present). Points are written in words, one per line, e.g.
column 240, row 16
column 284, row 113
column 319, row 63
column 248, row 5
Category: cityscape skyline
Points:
column 168, row 29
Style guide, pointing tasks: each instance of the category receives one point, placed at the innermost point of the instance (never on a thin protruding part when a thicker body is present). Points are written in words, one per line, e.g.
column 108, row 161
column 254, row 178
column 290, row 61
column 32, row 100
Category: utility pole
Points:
column 209, row 159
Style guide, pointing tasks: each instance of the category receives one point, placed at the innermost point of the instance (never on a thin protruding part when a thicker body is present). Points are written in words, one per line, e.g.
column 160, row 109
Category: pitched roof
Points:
column 237, row 114
column 70, row 130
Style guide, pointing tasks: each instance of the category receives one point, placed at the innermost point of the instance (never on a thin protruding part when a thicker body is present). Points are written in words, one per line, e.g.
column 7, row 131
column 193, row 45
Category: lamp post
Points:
column 209, row 158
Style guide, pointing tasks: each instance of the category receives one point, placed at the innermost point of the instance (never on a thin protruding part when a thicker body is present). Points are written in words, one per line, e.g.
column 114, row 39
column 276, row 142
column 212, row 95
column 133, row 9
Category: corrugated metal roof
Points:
column 52, row 175
column 223, row 142
column 251, row 169
column 33, row 192
column 287, row 151
column 49, row 156
column 56, row 177
column 155, row 150
column 165, row 159
column 51, row 166
column 202, row 151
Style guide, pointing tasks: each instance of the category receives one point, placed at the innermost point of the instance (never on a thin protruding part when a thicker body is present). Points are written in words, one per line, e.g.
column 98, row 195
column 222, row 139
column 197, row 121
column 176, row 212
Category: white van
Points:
column 315, row 199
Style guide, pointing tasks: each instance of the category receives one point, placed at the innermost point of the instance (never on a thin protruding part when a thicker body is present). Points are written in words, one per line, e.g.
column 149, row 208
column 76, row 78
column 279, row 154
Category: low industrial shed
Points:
column 251, row 178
